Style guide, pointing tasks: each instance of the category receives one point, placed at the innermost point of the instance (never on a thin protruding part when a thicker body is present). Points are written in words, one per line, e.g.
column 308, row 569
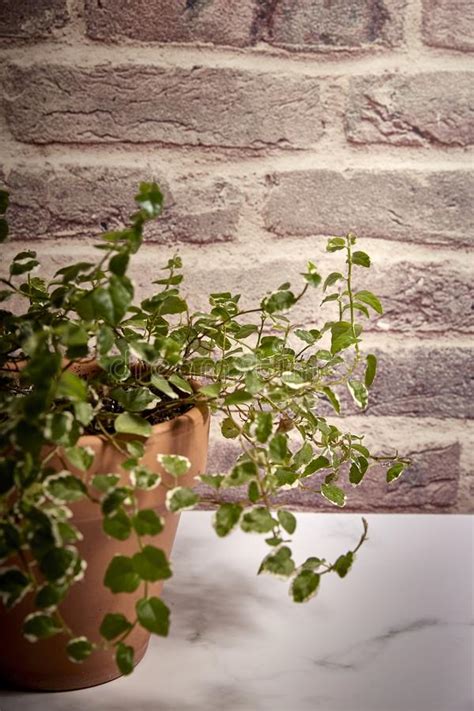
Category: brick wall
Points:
column 270, row 124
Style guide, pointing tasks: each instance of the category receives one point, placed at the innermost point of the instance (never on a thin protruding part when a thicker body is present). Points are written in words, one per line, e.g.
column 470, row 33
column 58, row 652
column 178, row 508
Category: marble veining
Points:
column 395, row 635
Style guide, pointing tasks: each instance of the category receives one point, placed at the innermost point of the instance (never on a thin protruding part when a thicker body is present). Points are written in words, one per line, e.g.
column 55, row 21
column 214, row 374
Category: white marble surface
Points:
column 395, row 635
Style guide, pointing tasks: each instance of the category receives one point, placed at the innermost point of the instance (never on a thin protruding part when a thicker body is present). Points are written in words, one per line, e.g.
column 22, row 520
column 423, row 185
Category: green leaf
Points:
column 263, row 428
column 312, row 563
column 134, row 399
column 285, row 476
column 331, row 279
column 3, row 229
column 17, row 268
column 80, row 457
column 370, row 299
column 238, row 397
column 343, row 564
column 278, row 448
column 241, row 473
column 303, row 456
column 315, row 465
column 395, row 471
column 212, row 390
column 151, row 564
column 333, row 399
column 293, row 381
column 79, row 648
column 258, row 520
column 114, row 499
column 104, row 482
column 253, row 491
column 174, row 464
column 180, row 499
column 49, row 596
column 229, row 429
column 370, row 370
column 335, row 243
column 361, row 258
column 4, row 200
column 279, row 563
column 14, row 584
column 150, row 199
column 287, row 520
column 143, row 478
column 58, row 563
column 113, row 625
column 359, row 393
column 311, row 276
column 214, row 480
column 304, row 585
column 226, row 518
column 342, row 336
column 245, row 363
column 358, row 470
column 39, row 625
column 333, row 494
column 121, row 575
column 64, row 487
column 181, row 384
column 147, row 523
column 309, row 337
column 124, row 658
column 163, row 386
column 118, row 525
column 153, row 615
column 279, row 301
column 132, row 424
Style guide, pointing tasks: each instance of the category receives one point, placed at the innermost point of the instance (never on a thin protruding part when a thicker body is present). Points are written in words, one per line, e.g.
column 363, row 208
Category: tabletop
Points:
column 394, row 635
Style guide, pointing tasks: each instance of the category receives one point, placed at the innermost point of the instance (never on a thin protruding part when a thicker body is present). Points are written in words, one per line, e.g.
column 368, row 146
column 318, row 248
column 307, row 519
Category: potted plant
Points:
column 104, row 428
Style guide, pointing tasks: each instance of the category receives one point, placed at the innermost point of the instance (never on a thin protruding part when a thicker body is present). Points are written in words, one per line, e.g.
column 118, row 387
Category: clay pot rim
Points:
column 186, row 421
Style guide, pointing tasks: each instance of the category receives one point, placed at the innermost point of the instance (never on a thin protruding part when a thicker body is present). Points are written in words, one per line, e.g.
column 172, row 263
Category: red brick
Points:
column 434, row 207
column 31, row 19
column 222, row 22
column 415, row 110
column 151, row 104
column 449, row 24
column 79, row 202
column 430, row 484
column 318, row 25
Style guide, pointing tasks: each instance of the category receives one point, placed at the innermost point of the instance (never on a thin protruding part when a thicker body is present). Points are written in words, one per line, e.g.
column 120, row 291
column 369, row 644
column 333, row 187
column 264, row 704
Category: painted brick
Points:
column 222, row 22
column 79, row 202
column 433, row 207
column 449, row 24
column 341, row 24
column 431, row 108
column 31, row 19
column 150, row 104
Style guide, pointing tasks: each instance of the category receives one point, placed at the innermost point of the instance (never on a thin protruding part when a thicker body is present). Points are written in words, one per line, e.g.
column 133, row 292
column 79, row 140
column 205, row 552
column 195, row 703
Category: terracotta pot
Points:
column 44, row 664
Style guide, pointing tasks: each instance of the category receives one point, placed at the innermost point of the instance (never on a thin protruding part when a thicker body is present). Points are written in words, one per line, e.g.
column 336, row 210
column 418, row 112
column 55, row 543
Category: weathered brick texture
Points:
column 403, row 110
column 431, row 484
column 340, row 24
column 78, row 202
column 270, row 125
column 434, row 207
column 151, row 104
column 423, row 297
column 424, row 381
column 311, row 25
column 223, row 22
column 31, row 19
column 449, row 24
